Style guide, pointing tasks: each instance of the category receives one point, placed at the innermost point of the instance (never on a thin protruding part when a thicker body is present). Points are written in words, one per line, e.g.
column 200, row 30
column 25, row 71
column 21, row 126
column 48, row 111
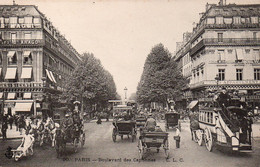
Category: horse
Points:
column 51, row 126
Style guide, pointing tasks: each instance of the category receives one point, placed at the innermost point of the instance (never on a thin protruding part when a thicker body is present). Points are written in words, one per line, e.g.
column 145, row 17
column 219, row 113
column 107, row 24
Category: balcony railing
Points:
column 21, row 85
column 225, row 82
column 21, row 42
column 223, row 41
column 232, row 41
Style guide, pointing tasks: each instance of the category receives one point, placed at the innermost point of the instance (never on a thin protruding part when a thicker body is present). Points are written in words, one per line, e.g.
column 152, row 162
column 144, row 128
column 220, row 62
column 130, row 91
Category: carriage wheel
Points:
column 208, row 139
column 199, row 137
column 140, row 149
column 166, row 149
column 114, row 135
column 75, row 143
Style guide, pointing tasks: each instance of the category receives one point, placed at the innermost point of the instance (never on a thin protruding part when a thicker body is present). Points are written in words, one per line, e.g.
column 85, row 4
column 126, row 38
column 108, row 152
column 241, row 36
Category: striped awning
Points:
column 11, row 96
column 49, row 75
column 52, row 76
column 26, row 53
column 10, row 73
column 1, row 95
column 19, row 106
column 192, row 104
column 10, row 53
column 26, row 73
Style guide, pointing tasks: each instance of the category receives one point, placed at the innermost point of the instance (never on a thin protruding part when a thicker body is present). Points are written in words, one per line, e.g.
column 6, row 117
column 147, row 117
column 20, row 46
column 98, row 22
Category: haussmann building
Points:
column 35, row 59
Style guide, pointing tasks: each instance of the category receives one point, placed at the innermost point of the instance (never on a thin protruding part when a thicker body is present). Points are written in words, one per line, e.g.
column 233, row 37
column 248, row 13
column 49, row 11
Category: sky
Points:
column 121, row 33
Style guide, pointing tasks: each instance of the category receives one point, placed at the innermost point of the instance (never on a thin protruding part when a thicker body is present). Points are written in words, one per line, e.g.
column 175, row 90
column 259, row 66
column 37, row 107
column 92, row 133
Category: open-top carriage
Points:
column 122, row 128
column 172, row 120
column 140, row 121
column 148, row 140
column 227, row 127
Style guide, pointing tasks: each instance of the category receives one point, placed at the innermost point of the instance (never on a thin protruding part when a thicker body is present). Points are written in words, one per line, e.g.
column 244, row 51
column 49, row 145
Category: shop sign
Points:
column 21, row 42
column 20, row 26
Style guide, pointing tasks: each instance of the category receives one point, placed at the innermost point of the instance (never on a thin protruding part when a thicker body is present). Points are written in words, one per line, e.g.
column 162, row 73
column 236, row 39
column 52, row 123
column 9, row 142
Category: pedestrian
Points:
column 16, row 121
column 4, row 129
column 21, row 124
column 11, row 120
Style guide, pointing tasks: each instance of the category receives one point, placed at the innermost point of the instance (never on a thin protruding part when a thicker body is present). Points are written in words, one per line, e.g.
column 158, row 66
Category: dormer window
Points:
column 236, row 20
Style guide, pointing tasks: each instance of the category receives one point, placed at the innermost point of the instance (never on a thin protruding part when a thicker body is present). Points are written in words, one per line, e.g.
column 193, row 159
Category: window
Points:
column 254, row 35
column 27, row 58
column 239, row 73
column 219, row 20
column 6, row 20
column 21, row 20
column 236, row 20
column 28, row 20
column 36, row 20
column 210, row 20
column 221, row 55
column 256, row 54
column 220, row 37
column 257, row 74
column 221, row 74
column 13, row 38
column 27, row 36
column 254, row 20
column 11, row 57
column 228, row 20
column 13, row 20
column 247, row 51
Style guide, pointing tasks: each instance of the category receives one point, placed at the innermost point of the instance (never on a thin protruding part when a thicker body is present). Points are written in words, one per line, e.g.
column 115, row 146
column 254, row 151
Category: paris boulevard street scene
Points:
column 130, row 83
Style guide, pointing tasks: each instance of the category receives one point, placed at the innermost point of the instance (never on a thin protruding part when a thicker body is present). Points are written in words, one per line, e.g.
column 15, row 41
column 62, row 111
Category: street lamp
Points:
column 125, row 93
column 217, row 78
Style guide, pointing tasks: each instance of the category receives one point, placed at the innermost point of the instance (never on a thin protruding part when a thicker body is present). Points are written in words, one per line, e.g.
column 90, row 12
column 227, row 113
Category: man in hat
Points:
column 67, row 124
column 224, row 98
column 150, row 123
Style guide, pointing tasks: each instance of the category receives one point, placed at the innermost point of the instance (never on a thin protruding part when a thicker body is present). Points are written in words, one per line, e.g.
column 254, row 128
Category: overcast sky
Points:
column 121, row 33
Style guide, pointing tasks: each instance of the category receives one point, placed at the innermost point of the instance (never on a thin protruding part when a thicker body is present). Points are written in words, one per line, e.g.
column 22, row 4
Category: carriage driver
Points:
column 150, row 123
column 67, row 124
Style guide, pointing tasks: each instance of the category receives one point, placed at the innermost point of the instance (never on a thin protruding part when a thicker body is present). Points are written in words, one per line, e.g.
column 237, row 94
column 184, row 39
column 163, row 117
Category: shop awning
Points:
column 26, row 53
column 10, row 53
column 1, row 95
column 11, row 96
column 239, row 54
column 26, row 73
column 27, row 95
column 10, row 73
column 192, row 104
column 48, row 75
column 23, row 106
column 38, row 105
column 52, row 76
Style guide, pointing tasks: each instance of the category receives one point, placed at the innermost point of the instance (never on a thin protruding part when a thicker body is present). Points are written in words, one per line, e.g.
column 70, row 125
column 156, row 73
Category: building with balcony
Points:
column 34, row 59
column 223, row 50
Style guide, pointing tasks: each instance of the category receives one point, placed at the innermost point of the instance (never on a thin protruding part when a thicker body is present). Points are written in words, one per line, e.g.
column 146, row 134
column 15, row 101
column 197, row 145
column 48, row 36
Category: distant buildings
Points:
column 222, row 51
column 34, row 60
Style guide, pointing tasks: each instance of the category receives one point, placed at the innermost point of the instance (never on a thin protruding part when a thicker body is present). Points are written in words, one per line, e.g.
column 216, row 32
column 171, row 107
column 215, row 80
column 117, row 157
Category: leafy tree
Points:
column 90, row 83
column 160, row 79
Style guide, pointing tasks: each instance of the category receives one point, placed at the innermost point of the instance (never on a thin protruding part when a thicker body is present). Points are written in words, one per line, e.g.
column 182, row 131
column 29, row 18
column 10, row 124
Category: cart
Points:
column 122, row 128
column 148, row 140
column 172, row 120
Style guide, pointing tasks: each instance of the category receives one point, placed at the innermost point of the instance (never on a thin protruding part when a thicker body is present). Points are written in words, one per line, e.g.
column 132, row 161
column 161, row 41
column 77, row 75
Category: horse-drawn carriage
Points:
column 148, row 140
column 172, row 120
column 122, row 128
column 71, row 132
column 226, row 127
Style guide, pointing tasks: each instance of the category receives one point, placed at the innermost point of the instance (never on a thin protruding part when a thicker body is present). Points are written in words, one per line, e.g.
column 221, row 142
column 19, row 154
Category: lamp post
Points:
column 125, row 93
column 217, row 78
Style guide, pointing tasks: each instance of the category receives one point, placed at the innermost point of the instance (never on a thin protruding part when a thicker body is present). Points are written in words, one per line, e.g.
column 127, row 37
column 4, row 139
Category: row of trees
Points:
column 161, row 80
column 90, row 83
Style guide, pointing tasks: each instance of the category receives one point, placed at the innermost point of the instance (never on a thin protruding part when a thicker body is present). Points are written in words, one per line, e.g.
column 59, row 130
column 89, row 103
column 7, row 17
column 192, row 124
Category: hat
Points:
column 67, row 115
